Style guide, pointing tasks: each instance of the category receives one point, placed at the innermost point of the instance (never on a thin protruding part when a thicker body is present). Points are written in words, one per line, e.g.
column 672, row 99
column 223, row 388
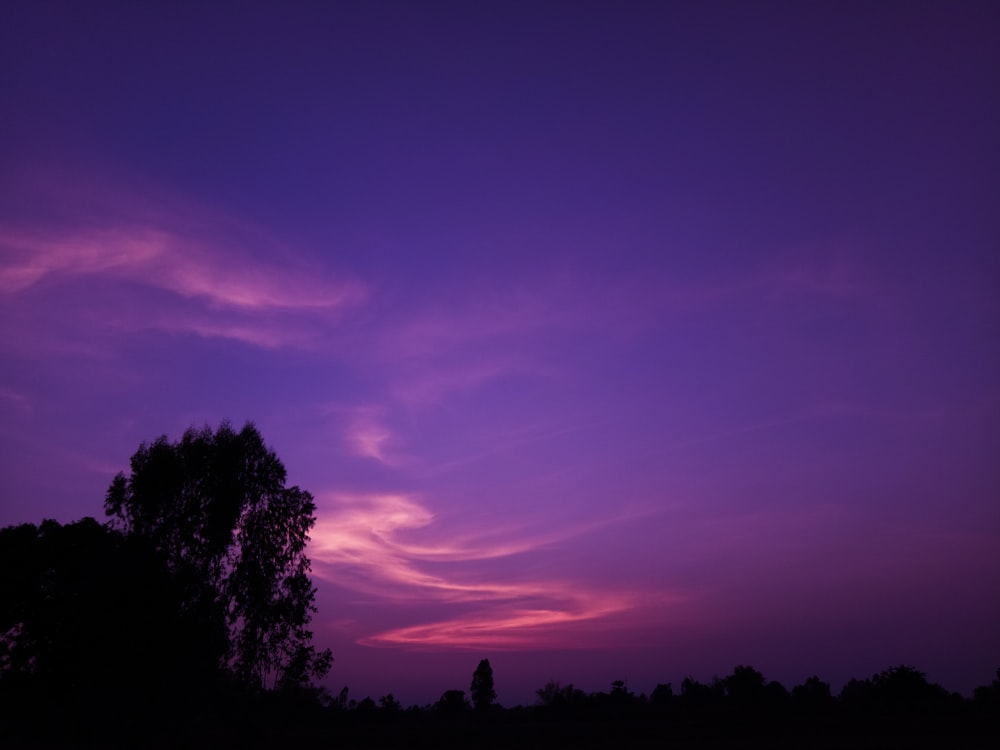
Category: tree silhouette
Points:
column 989, row 695
column 452, row 703
column 745, row 686
column 88, row 620
column 482, row 692
column 551, row 693
column 812, row 697
column 390, row 704
column 662, row 696
column 698, row 695
column 215, row 507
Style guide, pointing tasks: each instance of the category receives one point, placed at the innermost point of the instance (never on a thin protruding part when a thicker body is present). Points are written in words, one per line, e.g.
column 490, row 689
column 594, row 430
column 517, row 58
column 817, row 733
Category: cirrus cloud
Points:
column 154, row 257
column 387, row 546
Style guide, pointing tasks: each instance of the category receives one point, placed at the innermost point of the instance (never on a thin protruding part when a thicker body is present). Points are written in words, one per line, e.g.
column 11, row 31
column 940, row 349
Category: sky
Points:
column 614, row 340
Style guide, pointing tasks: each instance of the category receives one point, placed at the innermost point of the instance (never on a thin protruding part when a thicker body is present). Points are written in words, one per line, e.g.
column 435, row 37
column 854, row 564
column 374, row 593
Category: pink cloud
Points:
column 133, row 258
column 148, row 278
column 563, row 624
column 369, row 437
column 387, row 547
column 364, row 533
column 154, row 257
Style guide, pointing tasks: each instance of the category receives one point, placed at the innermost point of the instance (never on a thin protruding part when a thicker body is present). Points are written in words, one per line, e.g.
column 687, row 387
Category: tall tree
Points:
column 482, row 692
column 215, row 507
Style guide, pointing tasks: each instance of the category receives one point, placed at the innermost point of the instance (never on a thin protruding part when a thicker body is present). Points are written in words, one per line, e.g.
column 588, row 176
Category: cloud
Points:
column 140, row 277
column 369, row 437
column 387, row 546
column 482, row 333
column 513, row 626
column 193, row 268
column 537, row 327
column 364, row 534
column 115, row 256
column 430, row 384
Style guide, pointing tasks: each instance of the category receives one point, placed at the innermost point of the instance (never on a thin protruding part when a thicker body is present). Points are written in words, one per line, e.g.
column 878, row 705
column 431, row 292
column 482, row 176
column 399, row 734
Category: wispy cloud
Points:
column 155, row 257
column 386, row 546
column 568, row 621
column 369, row 439
column 142, row 277
column 369, row 435
column 431, row 383
column 534, row 327
column 360, row 542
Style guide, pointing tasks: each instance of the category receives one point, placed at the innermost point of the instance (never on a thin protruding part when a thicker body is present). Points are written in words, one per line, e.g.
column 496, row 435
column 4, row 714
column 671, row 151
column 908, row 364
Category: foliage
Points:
column 215, row 508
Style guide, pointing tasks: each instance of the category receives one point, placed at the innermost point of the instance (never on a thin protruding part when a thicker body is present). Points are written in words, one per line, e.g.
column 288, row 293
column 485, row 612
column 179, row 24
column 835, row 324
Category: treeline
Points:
column 898, row 705
column 899, row 695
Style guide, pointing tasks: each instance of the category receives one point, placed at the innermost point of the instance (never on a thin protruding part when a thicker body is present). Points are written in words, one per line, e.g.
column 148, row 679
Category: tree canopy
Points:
column 215, row 507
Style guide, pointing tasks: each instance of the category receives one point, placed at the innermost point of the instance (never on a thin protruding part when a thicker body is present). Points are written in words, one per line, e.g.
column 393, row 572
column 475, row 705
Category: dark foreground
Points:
column 522, row 728
column 897, row 708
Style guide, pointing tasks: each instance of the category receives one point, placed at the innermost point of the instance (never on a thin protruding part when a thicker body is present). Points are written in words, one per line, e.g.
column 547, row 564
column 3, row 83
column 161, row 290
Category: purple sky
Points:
column 614, row 340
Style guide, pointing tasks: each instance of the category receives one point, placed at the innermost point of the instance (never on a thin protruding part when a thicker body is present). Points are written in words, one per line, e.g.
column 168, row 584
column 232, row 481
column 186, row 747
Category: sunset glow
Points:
column 611, row 339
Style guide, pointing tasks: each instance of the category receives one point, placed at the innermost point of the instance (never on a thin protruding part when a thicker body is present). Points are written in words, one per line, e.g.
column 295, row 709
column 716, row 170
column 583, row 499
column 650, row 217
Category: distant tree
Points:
column 904, row 689
column 745, row 686
column 621, row 696
column 557, row 700
column 698, row 695
column 482, row 692
column 812, row 696
column 550, row 693
column 776, row 699
column 215, row 508
column 662, row 696
column 341, row 702
column 389, row 704
column 988, row 696
column 858, row 696
column 452, row 703
column 897, row 691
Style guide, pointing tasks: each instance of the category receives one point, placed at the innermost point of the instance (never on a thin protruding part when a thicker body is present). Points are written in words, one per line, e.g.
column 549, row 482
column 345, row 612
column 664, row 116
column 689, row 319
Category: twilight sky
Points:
column 615, row 340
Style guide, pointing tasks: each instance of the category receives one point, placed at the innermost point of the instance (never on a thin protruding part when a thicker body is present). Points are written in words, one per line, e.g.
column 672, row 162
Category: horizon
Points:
column 613, row 343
